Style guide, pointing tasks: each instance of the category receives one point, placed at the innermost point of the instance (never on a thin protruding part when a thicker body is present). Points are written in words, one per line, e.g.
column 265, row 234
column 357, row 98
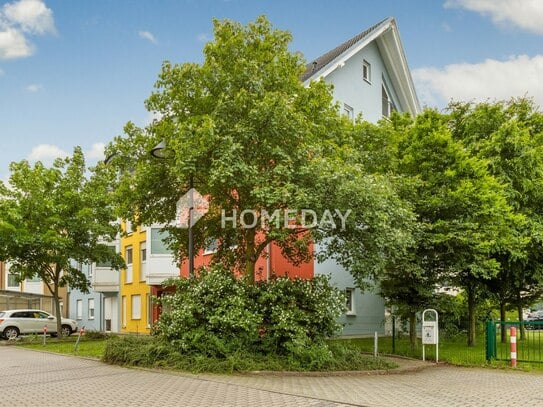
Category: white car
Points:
column 32, row 321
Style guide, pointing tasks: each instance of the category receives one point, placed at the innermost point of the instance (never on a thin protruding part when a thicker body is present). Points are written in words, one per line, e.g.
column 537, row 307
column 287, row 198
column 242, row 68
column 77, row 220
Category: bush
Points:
column 217, row 315
column 145, row 351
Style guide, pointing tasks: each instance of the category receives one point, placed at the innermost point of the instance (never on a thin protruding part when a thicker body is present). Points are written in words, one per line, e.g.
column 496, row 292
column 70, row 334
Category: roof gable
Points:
column 387, row 38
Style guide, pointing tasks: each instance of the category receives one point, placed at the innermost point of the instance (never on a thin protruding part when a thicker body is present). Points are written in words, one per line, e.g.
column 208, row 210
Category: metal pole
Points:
column 191, row 243
column 393, row 334
column 375, row 351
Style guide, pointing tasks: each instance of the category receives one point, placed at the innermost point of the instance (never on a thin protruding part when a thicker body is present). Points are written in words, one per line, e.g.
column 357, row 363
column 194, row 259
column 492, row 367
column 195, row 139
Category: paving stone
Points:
column 30, row 378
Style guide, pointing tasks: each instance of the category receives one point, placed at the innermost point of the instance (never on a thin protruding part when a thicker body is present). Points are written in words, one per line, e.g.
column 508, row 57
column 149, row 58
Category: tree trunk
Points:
column 502, row 318
column 472, row 317
column 413, row 330
column 250, row 259
column 57, row 302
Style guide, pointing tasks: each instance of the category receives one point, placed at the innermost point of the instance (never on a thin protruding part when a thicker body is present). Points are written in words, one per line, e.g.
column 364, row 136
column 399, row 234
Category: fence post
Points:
column 513, row 346
column 393, row 334
column 490, row 343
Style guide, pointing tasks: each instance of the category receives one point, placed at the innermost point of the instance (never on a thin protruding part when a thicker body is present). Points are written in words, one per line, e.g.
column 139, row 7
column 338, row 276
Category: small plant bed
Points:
column 152, row 352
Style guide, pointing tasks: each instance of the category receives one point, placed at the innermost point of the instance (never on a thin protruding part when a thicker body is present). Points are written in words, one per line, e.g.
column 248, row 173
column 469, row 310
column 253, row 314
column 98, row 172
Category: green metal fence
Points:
column 529, row 341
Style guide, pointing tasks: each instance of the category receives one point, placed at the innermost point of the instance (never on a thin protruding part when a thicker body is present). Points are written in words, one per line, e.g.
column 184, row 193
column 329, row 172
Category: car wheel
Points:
column 11, row 332
column 66, row 330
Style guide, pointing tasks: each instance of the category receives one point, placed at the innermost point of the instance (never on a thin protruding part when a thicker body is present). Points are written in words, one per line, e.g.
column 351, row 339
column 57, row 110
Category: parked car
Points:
column 31, row 321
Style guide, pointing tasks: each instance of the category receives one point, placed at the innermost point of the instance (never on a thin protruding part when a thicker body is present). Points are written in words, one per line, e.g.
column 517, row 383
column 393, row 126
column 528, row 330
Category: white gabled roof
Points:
column 387, row 38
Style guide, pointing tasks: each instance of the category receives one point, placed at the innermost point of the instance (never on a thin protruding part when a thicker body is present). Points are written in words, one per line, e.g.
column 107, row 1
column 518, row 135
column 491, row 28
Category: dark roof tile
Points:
column 319, row 63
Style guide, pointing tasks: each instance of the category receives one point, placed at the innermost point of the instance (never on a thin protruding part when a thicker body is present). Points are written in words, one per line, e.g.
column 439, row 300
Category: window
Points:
column 128, row 260
column 136, row 306
column 128, row 227
column 123, row 311
column 387, row 104
column 12, row 280
column 348, row 111
column 79, row 309
column 91, row 308
column 143, row 252
column 157, row 242
column 366, row 71
column 349, row 301
column 106, row 263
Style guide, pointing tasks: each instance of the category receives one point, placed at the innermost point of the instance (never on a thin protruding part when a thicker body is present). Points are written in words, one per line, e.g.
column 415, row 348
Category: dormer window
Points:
column 366, row 71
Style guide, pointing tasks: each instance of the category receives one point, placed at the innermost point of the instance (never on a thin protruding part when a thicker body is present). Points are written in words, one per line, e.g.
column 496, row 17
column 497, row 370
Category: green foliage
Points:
column 253, row 137
column 53, row 217
column 216, row 314
column 147, row 351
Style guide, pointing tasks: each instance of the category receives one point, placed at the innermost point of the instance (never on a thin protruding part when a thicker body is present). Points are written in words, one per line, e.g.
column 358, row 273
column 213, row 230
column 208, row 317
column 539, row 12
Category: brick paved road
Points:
column 29, row 378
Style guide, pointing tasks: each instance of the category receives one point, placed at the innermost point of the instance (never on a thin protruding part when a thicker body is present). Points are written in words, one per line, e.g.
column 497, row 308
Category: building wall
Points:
column 134, row 291
column 352, row 89
column 349, row 87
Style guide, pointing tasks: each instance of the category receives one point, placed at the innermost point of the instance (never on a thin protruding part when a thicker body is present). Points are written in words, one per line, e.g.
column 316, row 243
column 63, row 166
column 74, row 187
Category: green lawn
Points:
column 458, row 353
column 87, row 347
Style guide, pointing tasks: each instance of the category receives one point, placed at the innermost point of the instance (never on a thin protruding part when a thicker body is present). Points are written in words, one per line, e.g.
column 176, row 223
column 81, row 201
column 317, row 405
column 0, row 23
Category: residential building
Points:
column 30, row 293
column 149, row 263
column 98, row 309
column 370, row 76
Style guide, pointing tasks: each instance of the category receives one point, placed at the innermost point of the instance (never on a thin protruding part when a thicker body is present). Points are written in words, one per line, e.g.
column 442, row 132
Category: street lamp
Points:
column 159, row 151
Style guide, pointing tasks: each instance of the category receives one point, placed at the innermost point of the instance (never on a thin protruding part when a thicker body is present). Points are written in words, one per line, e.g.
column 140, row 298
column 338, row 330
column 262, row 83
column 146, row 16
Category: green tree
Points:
column 52, row 217
column 509, row 136
column 461, row 209
column 254, row 138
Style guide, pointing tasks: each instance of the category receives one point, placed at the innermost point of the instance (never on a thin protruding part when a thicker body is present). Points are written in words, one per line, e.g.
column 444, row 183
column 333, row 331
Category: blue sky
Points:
column 73, row 72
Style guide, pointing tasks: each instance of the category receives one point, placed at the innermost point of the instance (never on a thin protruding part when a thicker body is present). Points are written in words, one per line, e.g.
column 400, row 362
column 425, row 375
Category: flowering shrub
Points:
column 216, row 314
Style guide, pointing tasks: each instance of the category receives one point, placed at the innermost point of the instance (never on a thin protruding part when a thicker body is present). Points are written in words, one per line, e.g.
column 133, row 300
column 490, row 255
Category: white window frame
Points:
column 350, row 303
column 135, row 305
column 90, row 309
column 79, row 310
column 366, row 71
column 348, row 111
column 128, row 275
column 149, row 302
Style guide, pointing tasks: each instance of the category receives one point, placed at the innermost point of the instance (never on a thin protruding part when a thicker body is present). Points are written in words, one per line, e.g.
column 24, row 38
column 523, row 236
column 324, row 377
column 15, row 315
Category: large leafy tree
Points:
column 461, row 208
column 243, row 127
column 51, row 217
column 509, row 136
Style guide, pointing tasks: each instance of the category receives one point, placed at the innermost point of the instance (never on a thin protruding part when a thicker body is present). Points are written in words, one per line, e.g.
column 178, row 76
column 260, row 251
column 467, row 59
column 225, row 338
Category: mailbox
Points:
column 429, row 333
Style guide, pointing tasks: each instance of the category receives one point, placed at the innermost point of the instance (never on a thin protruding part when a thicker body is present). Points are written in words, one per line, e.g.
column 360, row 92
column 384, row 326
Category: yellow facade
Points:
column 135, row 292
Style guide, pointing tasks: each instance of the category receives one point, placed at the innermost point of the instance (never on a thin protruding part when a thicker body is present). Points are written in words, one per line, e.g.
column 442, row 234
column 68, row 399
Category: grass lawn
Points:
column 92, row 348
column 458, row 353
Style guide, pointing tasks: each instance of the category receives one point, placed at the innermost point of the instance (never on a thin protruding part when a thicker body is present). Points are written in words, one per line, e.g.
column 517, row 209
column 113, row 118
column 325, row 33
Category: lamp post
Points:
column 159, row 151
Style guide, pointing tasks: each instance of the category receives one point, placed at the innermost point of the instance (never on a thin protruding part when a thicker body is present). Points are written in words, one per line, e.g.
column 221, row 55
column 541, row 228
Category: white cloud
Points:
column 46, row 153
column 146, row 35
column 34, row 88
column 19, row 19
column 32, row 16
column 526, row 14
column 13, row 44
column 96, row 152
column 491, row 79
